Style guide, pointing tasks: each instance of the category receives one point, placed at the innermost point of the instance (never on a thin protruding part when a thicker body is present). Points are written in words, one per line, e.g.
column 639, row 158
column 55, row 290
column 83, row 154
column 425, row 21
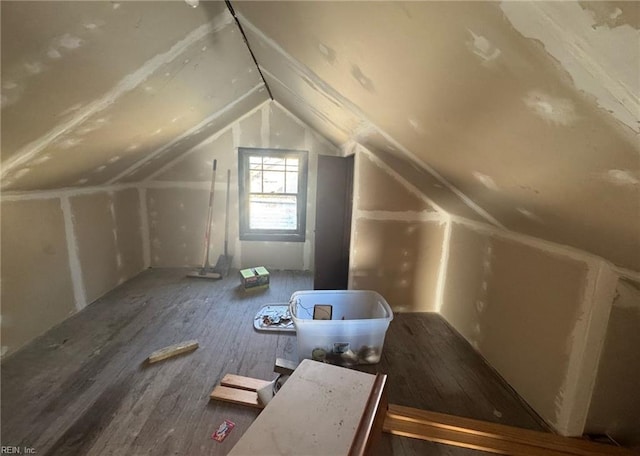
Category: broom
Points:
column 207, row 272
column 224, row 261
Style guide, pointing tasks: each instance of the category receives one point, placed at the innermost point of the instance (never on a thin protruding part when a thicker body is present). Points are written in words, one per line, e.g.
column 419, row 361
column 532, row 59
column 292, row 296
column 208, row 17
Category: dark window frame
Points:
column 248, row 234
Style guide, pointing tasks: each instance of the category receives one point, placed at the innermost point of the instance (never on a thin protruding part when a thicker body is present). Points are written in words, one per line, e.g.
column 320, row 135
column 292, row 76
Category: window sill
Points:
column 272, row 237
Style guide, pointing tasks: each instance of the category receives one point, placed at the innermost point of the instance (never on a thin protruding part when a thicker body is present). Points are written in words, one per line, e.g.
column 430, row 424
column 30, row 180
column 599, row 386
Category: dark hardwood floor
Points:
column 83, row 387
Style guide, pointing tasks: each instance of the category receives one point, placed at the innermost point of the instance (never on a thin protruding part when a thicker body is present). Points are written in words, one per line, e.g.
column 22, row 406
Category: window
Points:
column 273, row 194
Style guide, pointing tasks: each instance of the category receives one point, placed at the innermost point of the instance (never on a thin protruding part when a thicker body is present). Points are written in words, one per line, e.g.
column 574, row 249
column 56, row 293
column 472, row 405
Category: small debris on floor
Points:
column 274, row 318
column 172, row 350
column 223, row 430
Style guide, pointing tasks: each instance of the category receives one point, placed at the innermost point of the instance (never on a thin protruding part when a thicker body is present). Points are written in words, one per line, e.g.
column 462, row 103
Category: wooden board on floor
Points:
column 485, row 436
column 243, row 383
column 172, row 350
column 236, row 396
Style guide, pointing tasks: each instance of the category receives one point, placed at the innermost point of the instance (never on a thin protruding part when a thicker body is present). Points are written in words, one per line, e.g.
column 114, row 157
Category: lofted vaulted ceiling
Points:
column 523, row 115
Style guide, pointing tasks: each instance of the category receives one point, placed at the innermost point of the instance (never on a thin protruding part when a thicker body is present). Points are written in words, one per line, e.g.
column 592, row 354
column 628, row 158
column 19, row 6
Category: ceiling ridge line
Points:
column 246, row 41
column 355, row 110
column 313, row 110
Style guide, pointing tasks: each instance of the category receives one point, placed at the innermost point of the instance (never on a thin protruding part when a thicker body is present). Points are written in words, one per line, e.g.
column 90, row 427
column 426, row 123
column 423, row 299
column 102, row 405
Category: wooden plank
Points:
column 243, row 383
column 172, row 350
column 422, row 431
column 236, row 396
column 545, row 440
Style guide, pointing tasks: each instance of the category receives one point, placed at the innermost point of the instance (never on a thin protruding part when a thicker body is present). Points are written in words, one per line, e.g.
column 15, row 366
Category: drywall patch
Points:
column 68, row 41
column 67, row 143
column 530, row 215
column 417, row 127
column 444, row 264
column 485, row 180
column 21, row 173
column 584, row 347
column 11, row 92
column 482, row 47
column 328, row 53
column 599, row 59
column 558, row 111
column 612, row 14
column 265, row 127
column 364, row 81
column 621, row 177
column 53, row 54
column 34, row 67
column 74, row 256
column 41, row 160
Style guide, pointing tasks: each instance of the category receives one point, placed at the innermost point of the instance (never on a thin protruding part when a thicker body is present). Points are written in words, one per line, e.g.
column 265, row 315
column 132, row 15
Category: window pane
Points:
column 274, row 163
column 272, row 212
column 292, row 164
column 292, row 183
column 273, row 182
column 255, row 181
column 255, row 162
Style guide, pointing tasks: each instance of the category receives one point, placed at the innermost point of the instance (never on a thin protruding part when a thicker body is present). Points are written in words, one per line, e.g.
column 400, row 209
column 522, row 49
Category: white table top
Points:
column 316, row 412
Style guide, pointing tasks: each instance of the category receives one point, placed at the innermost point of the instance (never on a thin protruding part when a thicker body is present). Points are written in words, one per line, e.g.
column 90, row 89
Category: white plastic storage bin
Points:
column 355, row 332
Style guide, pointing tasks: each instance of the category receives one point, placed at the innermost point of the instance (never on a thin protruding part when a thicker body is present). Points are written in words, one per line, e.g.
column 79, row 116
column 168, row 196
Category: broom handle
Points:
column 226, row 215
column 207, row 234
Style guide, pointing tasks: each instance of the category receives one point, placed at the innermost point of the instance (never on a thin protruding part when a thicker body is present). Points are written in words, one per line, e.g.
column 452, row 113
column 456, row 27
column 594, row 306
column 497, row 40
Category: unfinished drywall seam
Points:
column 62, row 192
column 306, row 252
column 144, row 228
column 184, row 135
column 585, row 346
column 235, row 130
column 401, row 180
column 235, row 138
column 77, row 279
column 126, row 84
column 627, row 273
column 364, row 120
column 444, row 264
column 405, row 216
column 265, row 125
column 356, row 202
column 220, row 186
column 538, row 243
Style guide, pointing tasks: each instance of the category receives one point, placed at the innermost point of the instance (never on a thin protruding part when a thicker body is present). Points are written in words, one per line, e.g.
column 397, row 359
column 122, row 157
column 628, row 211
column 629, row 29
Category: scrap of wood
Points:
column 243, row 383
column 486, row 436
column 239, row 390
column 284, row 366
column 236, row 396
column 172, row 350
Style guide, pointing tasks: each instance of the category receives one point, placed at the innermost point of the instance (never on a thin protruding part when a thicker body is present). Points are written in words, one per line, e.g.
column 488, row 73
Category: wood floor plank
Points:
column 84, row 388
